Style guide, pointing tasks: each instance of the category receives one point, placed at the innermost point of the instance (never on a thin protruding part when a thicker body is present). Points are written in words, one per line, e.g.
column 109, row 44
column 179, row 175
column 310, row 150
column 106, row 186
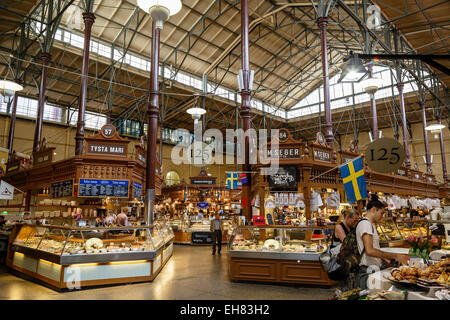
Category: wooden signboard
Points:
column 139, row 152
column 320, row 151
column 44, row 155
column 288, row 151
column 350, row 153
column 107, row 142
column 17, row 163
column 203, row 179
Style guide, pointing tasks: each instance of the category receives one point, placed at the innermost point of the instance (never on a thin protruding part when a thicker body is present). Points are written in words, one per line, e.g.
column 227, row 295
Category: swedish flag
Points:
column 232, row 180
column 352, row 174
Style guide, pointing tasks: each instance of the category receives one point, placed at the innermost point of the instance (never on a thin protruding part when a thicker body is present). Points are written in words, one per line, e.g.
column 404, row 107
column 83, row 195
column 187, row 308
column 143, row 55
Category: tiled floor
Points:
column 192, row 273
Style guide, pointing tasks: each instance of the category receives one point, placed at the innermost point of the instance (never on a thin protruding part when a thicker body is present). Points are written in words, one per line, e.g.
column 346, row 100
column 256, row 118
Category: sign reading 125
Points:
column 385, row 155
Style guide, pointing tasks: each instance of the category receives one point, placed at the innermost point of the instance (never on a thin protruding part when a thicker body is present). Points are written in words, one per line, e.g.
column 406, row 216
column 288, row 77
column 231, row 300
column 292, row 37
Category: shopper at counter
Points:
column 122, row 218
column 216, row 231
column 351, row 218
column 369, row 243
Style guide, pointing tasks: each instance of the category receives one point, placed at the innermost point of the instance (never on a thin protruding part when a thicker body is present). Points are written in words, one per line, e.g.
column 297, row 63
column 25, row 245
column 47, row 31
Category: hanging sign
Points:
column 103, row 188
column 61, row 189
column 203, row 205
column 6, row 190
column 385, row 155
column 137, row 190
column 320, row 155
column 285, row 177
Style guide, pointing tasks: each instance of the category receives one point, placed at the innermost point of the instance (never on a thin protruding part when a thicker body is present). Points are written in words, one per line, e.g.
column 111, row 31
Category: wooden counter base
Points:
column 271, row 270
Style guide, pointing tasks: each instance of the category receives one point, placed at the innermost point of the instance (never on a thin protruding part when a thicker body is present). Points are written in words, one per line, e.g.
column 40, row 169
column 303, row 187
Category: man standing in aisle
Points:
column 216, row 232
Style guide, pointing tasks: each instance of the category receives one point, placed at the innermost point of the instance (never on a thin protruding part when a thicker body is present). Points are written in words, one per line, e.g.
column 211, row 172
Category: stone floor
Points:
column 192, row 274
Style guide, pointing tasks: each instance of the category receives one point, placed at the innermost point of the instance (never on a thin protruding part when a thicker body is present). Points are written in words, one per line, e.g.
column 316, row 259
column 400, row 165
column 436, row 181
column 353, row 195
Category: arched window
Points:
column 172, row 177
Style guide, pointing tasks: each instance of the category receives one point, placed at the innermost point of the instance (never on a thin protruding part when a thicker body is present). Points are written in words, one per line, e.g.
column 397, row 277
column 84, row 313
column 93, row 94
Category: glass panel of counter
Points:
column 279, row 242
column 71, row 245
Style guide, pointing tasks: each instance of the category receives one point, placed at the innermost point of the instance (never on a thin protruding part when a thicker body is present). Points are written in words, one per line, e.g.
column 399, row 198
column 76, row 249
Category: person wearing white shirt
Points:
column 216, row 233
column 369, row 243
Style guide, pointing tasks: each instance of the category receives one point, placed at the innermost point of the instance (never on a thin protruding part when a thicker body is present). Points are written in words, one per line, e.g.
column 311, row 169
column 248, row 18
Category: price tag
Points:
column 385, row 155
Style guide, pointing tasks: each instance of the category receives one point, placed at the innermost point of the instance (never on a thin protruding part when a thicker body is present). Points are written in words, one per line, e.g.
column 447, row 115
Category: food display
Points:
column 265, row 239
column 437, row 273
column 67, row 241
column 393, row 233
column 148, row 247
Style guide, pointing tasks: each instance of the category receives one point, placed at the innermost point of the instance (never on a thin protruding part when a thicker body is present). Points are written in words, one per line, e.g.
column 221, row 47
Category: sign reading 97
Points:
column 385, row 155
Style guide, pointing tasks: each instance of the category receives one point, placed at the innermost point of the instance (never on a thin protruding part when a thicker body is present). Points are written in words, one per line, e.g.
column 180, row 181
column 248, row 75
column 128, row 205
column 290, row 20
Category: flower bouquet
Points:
column 420, row 247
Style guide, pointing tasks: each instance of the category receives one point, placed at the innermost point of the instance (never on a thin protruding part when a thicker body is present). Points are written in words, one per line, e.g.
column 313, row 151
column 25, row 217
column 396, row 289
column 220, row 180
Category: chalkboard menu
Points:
column 137, row 190
column 201, row 237
column 61, row 189
column 103, row 188
column 285, row 177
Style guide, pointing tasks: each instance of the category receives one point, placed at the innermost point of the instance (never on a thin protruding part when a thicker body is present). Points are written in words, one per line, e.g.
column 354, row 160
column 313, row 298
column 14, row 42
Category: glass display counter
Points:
column 393, row 233
column 278, row 254
column 60, row 255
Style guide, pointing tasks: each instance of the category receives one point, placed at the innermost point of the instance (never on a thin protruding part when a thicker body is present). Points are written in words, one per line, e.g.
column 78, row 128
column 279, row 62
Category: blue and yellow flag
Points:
column 232, row 180
column 185, row 194
column 352, row 174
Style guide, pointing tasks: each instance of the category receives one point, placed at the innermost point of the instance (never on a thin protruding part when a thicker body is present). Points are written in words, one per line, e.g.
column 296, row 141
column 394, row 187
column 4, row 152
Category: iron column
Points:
column 444, row 163
column 245, row 108
column 425, row 137
column 400, row 86
column 12, row 126
column 46, row 57
column 153, row 112
column 89, row 19
column 322, row 22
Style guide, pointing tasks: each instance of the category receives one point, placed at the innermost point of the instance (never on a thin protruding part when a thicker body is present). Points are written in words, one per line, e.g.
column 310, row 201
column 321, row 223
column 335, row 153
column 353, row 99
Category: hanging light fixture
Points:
column 160, row 10
column 371, row 85
column 196, row 113
column 8, row 88
column 434, row 127
column 354, row 69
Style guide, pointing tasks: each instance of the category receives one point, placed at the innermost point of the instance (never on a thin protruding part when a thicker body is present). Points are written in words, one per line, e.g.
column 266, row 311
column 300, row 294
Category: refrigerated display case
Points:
column 59, row 256
column 277, row 254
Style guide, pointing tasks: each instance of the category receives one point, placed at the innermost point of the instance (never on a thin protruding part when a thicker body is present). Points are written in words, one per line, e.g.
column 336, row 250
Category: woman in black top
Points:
column 351, row 218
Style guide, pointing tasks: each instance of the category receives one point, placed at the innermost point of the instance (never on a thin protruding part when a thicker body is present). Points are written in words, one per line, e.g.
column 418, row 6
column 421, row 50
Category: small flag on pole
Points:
column 185, row 194
column 243, row 177
column 232, row 179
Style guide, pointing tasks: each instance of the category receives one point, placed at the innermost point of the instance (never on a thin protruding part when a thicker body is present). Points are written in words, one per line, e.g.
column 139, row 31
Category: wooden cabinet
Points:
column 252, row 269
column 272, row 270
